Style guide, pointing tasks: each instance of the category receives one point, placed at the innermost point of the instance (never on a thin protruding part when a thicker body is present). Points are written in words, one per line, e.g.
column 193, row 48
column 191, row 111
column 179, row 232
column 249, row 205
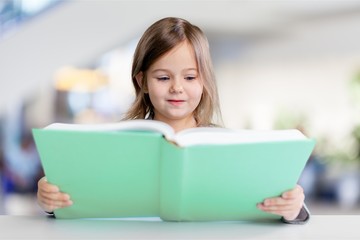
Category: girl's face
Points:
column 174, row 85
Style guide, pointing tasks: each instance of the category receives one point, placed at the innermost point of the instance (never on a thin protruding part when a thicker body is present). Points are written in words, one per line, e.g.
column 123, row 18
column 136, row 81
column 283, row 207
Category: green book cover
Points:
column 140, row 168
column 224, row 182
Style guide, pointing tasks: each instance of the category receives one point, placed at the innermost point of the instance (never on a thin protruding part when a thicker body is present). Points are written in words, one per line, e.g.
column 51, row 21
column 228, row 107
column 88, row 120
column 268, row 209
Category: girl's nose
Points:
column 176, row 87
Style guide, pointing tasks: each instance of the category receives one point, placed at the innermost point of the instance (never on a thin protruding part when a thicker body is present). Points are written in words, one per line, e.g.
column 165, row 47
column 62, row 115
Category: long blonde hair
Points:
column 158, row 39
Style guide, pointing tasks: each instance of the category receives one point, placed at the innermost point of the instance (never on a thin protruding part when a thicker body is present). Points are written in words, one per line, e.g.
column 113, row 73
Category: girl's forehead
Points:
column 181, row 55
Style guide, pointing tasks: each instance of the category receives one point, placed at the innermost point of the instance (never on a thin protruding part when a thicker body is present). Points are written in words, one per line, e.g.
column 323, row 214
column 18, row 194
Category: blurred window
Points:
column 15, row 12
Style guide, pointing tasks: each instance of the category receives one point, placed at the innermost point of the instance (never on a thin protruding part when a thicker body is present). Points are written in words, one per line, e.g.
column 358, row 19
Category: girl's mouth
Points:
column 176, row 102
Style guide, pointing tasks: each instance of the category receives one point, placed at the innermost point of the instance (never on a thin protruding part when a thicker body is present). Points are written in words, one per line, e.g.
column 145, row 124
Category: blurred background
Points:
column 279, row 64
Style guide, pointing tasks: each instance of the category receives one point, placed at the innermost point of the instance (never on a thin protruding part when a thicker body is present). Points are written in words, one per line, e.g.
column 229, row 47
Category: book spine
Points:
column 171, row 181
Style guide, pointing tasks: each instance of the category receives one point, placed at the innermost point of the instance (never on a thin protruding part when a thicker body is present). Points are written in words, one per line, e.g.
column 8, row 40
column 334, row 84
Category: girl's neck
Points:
column 181, row 124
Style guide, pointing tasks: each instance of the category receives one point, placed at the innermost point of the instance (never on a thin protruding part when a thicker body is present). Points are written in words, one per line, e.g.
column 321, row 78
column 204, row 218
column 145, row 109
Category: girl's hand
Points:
column 288, row 205
column 50, row 198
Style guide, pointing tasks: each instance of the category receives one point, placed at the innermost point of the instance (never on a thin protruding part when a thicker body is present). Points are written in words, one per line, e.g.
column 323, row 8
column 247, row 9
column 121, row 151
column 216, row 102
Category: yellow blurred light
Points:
column 82, row 80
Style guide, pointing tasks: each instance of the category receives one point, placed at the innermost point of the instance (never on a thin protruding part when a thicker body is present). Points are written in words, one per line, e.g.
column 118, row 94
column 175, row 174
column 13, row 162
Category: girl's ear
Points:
column 140, row 81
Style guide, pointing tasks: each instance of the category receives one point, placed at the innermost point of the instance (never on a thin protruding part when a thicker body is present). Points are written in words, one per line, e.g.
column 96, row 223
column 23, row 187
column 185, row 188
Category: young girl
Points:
column 174, row 82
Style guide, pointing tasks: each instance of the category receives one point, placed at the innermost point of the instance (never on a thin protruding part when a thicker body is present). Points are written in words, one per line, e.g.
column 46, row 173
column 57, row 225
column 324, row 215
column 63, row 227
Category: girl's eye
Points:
column 190, row 78
column 163, row 78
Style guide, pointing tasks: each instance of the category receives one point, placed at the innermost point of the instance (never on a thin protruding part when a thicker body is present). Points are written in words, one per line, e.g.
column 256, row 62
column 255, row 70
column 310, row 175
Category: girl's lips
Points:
column 176, row 102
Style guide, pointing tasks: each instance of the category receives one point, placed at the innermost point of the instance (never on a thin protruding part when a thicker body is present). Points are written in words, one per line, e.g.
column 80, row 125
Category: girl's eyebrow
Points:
column 159, row 70
column 190, row 69
column 167, row 70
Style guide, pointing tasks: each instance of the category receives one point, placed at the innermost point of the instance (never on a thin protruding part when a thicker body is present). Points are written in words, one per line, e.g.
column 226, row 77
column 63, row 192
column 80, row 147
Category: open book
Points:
column 141, row 168
column 192, row 136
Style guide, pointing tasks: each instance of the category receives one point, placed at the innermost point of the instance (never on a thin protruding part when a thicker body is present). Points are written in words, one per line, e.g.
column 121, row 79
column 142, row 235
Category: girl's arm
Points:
column 302, row 218
column 50, row 198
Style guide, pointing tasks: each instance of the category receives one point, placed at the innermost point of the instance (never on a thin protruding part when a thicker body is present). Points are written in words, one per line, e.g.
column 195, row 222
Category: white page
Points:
column 192, row 136
column 138, row 124
column 212, row 135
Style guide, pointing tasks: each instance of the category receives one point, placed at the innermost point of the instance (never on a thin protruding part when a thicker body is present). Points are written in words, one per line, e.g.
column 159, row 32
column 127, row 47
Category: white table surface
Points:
column 42, row 227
